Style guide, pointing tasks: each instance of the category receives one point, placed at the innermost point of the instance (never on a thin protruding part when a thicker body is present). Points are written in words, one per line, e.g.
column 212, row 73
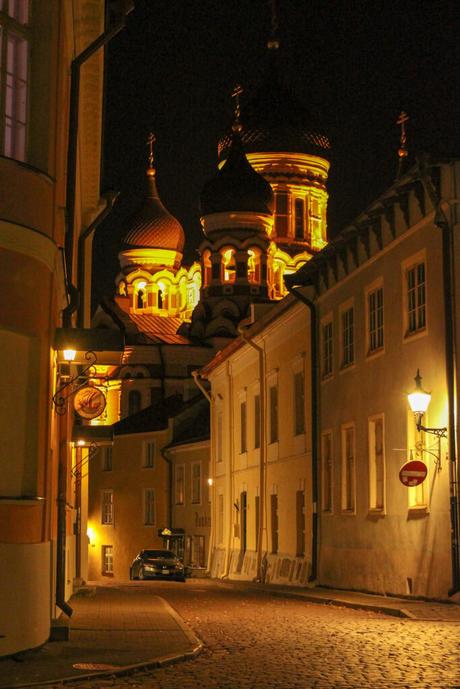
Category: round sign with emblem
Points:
column 89, row 402
column 413, row 473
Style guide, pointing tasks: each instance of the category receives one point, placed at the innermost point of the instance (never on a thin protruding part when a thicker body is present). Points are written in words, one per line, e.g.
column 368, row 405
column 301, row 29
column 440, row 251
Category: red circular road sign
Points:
column 413, row 473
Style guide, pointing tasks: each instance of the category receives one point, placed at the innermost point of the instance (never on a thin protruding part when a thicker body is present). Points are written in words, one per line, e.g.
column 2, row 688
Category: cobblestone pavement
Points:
column 254, row 640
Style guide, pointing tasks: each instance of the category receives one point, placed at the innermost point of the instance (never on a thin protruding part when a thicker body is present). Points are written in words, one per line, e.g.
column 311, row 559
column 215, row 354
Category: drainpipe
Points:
column 126, row 6
column 61, row 527
column 262, row 472
column 110, row 199
column 448, row 286
column 314, row 426
column 165, row 455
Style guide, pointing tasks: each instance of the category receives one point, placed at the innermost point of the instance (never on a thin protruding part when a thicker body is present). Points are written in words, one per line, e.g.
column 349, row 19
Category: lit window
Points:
column 149, row 455
column 253, row 266
column 196, row 483
column 149, row 507
column 299, row 219
column 107, row 560
column 273, row 402
column 416, row 298
column 326, row 332
column 375, row 319
column 229, row 265
column 348, row 468
column 327, row 472
column 376, row 464
column 348, row 345
column 14, row 55
column 107, row 507
column 299, row 403
column 180, row 473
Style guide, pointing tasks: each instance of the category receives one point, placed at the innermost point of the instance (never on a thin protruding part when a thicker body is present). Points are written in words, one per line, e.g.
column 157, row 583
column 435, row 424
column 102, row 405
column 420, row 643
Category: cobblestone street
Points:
column 255, row 640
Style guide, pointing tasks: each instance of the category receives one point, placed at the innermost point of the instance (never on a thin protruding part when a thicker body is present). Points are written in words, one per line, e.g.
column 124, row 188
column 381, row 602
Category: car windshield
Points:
column 168, row 554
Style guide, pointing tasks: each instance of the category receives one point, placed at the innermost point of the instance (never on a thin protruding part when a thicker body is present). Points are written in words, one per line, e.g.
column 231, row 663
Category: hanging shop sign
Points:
column 413, row 473
column 89, row 402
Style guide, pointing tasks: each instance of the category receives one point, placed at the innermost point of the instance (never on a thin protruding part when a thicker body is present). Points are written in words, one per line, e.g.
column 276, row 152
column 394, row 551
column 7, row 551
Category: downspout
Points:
column 230, row 473
column 61, row 526
column 442, row 222
column 72, row 145
column 262, row 434
column 110, row 199
column 314, row 425
column 164, row 454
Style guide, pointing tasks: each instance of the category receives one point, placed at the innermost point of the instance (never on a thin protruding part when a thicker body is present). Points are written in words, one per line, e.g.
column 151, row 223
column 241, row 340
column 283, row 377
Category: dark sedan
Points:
column 157, row 564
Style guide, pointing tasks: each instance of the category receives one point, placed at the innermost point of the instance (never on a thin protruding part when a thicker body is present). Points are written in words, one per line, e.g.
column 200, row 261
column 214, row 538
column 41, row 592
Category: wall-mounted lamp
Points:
column 73, row 384
column 210, row 481
column 69, row 354
column 419, row 400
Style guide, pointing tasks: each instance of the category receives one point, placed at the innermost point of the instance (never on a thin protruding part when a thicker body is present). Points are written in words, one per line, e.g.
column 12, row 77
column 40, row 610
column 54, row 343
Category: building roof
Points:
column 152, row 418
column 159, row 329
column 274, row 120
column 237, row 186
column 153, row 226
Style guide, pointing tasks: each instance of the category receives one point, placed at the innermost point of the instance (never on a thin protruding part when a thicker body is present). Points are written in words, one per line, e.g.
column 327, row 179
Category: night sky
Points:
column 354, row 63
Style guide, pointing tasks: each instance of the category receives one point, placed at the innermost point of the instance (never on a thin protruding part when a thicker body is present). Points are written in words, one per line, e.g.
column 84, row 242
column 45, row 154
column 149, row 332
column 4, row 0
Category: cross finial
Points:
column 273, row 42
column 402, row 119
column 236, row 93
column 150, row 141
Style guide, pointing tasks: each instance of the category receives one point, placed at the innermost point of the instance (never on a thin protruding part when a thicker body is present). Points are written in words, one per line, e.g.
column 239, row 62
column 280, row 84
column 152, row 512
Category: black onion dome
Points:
column 237, row 186
column 275, row 121
column 153, row 226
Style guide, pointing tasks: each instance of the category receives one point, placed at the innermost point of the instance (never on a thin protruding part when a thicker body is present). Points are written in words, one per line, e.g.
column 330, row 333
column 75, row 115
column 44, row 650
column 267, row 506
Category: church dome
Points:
column 236, row 187
column 153, row 226
column 275, row 121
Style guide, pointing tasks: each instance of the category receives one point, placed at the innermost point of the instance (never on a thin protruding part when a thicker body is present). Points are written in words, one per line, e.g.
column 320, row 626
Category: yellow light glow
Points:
column 210, row 481
column 69, row 354
column 419, row 399
column 141, row 285
column 80, row 443
column 91, row 534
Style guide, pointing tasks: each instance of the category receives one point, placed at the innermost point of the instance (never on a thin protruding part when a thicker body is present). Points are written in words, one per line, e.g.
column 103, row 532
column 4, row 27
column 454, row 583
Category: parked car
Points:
column 157, row 564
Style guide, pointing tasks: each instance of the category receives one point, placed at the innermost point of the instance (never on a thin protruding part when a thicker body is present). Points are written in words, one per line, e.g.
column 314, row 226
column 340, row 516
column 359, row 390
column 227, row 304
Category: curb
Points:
column 161, row 661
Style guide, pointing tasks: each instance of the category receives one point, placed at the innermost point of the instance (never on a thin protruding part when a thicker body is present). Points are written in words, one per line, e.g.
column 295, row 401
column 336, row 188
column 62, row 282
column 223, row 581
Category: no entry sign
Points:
column 413, row 473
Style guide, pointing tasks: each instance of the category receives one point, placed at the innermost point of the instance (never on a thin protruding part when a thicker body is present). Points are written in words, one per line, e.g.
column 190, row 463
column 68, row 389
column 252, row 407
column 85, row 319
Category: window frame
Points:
column 149, row 511
column 327, row 347
column 107, row 516
column 412, row 263
column 347, row 335
column 195, row 482
column 374, row 480
column 107, row 562
column 348, row 478
column 179, row 495
column 373, row 316
column 149, row 451
column 327, row 506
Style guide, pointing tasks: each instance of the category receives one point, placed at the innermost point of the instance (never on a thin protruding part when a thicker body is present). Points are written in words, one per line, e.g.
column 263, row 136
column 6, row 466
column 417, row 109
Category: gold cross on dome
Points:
column 150, row 141
column 402, row 119
column 236, row 93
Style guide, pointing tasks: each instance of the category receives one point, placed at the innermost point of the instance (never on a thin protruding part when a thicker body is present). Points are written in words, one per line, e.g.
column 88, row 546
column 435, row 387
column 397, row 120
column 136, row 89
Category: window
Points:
column 256, row 421
column 327, row 472
column 149, row 455
column 243, row 428
column 107, row 507
column 179, row 484
column 107, row 560
column 219, row 436
column 281, row 213
column 273, row 401
column 274, row 521
column 348, row 469
column 299, row 219
column 376, row 464
column 14, row 55
column 375, row 319
column 299, row 403
column 326, row 335
column 107, row 458
column 196, row 482
column 348, row 345
column 416, row 297
column 134, row 402
column 149, row 507
column 300, row 523
column 220, row 519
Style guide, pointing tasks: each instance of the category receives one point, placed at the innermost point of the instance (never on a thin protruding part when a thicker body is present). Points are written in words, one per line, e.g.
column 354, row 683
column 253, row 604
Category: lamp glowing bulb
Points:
column 210, row 481
column 69, row 354
column 419, row 399
column 80, row 443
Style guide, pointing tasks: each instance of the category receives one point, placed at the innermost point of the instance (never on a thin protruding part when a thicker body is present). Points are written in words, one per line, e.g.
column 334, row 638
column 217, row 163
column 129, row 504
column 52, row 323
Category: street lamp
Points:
column 419, row 400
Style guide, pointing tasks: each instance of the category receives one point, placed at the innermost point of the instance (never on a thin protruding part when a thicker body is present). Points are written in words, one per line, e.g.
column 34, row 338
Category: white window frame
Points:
column 107, row 560
column 195, row 499
column 219, row 435
column 107, row 509
column 348, row 478
column 408, row 265
column 377, row 475
column 375, row 320
column 179, row 469
column 242, row 422
column 347, row 335
column 272, row 440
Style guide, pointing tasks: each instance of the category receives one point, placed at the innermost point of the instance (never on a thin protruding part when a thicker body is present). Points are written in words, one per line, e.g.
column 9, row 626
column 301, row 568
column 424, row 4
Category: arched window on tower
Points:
column 281, row 213
column 254, row 265
column 229, row 265
column 206, row 268
column 299, row 219
column 134, row 402
column 140, row 297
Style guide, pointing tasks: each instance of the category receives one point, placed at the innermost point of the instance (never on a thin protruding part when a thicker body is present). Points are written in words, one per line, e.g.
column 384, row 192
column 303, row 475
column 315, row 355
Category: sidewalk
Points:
column 388, row 605
column 110, row 630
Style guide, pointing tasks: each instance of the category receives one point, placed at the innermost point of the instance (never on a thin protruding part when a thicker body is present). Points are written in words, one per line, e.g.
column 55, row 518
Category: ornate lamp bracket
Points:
column 73, row 385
